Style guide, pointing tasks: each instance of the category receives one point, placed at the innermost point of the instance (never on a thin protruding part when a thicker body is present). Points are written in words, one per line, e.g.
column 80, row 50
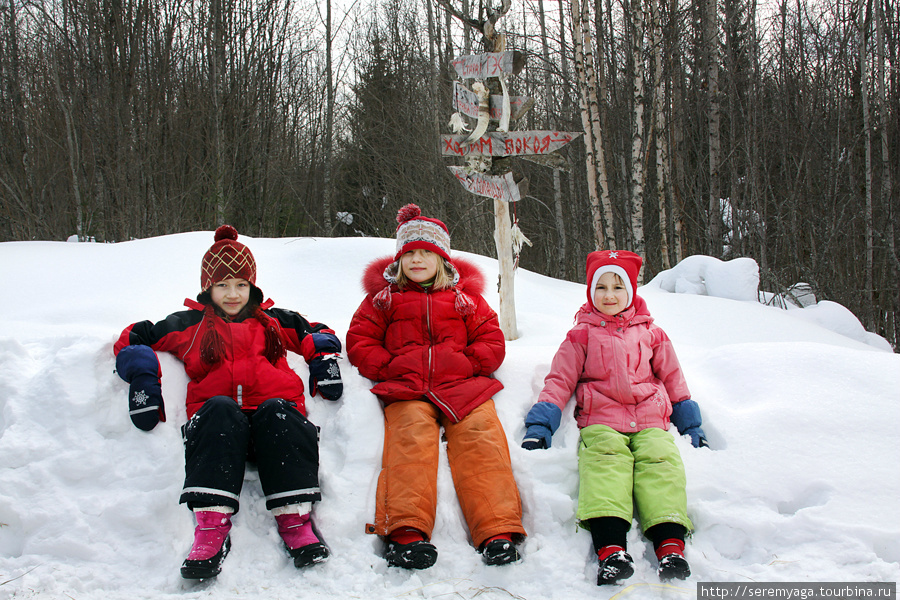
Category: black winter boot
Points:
column 615, row 565
column 415, row 555
column 500, row 551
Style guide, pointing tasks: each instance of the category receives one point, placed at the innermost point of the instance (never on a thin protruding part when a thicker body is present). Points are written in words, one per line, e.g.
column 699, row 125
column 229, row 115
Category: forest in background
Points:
column 718, row 127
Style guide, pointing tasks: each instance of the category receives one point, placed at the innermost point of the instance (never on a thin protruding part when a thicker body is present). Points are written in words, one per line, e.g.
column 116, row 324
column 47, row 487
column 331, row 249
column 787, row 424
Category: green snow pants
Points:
column 619, row 472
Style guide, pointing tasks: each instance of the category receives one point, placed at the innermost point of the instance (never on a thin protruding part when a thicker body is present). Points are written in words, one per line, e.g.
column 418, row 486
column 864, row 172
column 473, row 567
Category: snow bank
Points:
column 738, row 279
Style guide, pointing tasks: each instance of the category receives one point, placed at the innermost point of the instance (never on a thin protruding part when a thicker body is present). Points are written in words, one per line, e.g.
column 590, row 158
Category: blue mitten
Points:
column 326, row 343
column 324, row 372
column 540, row 424
column 687, row 420
column 139, row 366
column 325, row 377
column 145, row 402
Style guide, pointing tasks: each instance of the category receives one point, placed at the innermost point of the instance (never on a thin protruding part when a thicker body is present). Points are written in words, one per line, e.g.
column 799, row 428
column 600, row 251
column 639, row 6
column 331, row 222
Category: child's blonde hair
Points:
column 443, row 279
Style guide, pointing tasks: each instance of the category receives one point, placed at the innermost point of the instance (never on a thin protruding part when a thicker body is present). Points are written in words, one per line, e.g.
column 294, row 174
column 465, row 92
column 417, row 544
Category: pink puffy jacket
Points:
column 623, row 371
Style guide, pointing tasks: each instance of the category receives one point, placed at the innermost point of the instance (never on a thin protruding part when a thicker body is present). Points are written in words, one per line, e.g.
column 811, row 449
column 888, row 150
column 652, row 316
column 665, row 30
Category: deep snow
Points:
column 801, row 407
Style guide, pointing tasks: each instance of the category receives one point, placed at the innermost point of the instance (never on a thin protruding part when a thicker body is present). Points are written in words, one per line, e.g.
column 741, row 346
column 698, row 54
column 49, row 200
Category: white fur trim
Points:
column 618, row 271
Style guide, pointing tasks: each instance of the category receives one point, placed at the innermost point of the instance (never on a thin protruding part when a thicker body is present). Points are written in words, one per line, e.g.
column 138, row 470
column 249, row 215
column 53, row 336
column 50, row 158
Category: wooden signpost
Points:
column 482, row 176
column 466, row 102
column 513, row 143
column 490, row 64
column 499, row 187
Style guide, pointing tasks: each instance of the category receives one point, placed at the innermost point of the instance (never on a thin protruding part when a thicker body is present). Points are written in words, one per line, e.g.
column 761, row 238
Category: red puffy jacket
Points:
column 422, row 347
column 245, row 374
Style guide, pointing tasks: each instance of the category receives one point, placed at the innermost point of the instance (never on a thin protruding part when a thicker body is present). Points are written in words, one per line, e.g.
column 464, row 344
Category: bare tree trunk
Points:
column 887, row 188
column 711, row 39
column 677, row 135
column 661, row 133
column 328, row 186
column 590, row 118
column 757, row 198
column 867, row 127
column 549, row 99
column 636, row 202
column 73, row 152
column 216, row 51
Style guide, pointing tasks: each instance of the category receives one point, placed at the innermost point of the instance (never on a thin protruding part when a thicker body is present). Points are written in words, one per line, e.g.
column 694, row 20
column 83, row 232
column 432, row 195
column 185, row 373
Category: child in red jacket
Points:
column 243, row 402
column 628, row 386
column 430, row 341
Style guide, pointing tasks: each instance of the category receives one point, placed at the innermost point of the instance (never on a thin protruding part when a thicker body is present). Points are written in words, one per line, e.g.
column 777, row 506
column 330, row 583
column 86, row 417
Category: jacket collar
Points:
column 382, row 271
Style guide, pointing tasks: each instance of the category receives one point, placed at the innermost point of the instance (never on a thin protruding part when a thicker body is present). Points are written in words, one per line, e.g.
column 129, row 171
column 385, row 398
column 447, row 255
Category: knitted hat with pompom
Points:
column 226, row 258
column 415, row 231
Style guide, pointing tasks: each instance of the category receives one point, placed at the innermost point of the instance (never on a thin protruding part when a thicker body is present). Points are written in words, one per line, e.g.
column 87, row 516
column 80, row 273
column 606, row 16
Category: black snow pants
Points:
column 220, row 438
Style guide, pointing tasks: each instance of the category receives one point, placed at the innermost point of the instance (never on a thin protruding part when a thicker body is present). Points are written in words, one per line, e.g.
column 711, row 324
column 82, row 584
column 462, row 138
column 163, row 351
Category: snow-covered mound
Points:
column 738, row 279
column 801, row 483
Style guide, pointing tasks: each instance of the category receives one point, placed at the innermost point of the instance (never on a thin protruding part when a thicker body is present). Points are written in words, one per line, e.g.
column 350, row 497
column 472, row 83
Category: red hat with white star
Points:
column 623, row 263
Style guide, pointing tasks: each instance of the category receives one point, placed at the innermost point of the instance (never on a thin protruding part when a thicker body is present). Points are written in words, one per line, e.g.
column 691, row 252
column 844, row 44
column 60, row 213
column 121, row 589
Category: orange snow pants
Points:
column 479, row 463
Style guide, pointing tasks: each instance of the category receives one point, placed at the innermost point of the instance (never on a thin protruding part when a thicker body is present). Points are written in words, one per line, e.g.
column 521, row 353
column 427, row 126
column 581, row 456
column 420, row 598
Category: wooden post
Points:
column 480, row 147
column 503, row 241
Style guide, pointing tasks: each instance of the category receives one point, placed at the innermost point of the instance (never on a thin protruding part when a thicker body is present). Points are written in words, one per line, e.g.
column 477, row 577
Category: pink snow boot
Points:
column 302, row 540
column 211, row 545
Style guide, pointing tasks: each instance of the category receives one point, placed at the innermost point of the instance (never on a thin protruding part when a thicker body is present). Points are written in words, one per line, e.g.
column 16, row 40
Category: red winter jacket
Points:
column 245, row 374
column 422, row 347
column 622, row 368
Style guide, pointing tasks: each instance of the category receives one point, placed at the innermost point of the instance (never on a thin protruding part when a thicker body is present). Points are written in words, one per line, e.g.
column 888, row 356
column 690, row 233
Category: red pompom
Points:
column 226, row 232
column 408, row 213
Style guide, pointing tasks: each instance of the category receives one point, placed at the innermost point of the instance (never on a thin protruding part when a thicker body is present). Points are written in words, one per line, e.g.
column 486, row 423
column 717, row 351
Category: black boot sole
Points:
column 673, row 566
column 500, row 552
column 208, row 568
column 615, row 568
column 416, row 555
column 311, row 554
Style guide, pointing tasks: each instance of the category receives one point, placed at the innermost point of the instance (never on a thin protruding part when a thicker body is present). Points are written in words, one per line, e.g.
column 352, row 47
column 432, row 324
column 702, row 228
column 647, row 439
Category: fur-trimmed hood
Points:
column 437, row 345
column 469, row 276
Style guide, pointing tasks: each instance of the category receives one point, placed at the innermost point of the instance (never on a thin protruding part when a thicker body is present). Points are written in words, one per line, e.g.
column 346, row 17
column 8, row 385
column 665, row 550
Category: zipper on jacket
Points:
column 430, row 393
column 240, row 395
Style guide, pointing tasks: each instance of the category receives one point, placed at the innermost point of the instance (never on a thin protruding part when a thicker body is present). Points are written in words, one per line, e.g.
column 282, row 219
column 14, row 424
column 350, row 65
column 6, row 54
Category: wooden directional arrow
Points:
column 513, row 143
column 491, row 64
column 498, row 187
column 466, row 102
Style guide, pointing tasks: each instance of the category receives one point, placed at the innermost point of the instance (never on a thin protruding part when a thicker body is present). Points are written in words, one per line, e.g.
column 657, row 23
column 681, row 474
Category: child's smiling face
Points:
column 231, row 295
column 610, row 295
column 419, row 265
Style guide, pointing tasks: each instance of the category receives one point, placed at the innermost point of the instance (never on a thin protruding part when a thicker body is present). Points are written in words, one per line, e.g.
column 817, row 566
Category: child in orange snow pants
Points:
column 479, row 462
column 429, row 340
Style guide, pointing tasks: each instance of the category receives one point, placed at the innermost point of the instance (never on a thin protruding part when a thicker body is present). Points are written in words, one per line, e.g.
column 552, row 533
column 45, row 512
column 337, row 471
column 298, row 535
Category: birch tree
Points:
column 636, row 201
column 598, row 186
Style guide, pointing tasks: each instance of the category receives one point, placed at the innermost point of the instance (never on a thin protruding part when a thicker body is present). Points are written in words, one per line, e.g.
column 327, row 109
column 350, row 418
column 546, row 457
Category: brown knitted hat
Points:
column 225, row 259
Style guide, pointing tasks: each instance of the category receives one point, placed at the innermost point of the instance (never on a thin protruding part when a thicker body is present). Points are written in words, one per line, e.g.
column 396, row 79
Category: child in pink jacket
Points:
column 628, row 387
